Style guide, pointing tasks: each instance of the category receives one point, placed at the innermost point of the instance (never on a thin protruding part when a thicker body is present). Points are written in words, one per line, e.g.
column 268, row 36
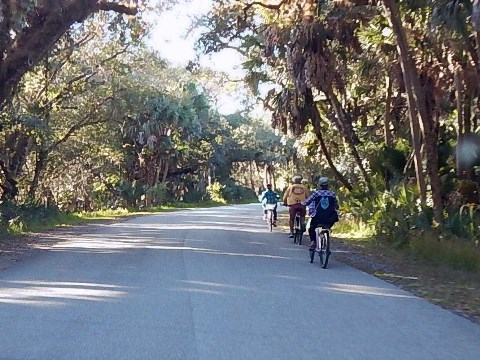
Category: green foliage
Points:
column 393, row 214
column 215, row 191
column 131, row 193
column 230, row 192
column 233, row 192
column 471, row 214
column 25, row 217
column 389, row 162
column 157, row 194
column 457, row 225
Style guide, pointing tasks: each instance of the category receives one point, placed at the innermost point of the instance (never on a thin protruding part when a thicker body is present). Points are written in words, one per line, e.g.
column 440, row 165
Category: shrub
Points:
column 215, row 192
column 18, row 218
column 157, row 194
column 233, row 192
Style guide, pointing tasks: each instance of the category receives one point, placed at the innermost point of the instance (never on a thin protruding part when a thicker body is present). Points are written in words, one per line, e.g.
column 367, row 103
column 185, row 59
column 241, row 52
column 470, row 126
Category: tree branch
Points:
column 119, row 8
column 80, row 125
column 46, row 24
column 267, row 6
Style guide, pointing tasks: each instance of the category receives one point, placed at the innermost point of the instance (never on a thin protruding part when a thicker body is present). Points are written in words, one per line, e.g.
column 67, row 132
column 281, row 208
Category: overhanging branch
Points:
column 123, row 9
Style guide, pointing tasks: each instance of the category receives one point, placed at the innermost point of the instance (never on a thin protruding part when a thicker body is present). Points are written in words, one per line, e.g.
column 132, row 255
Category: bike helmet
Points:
column 323, row 181
column 297, row 179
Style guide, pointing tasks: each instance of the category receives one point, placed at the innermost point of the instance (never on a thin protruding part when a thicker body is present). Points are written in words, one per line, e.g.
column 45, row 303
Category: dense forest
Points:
column 383, row 97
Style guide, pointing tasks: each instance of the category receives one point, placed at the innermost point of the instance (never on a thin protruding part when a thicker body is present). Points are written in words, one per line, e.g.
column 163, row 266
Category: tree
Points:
column 46, row 109
column 298, row 51
column 29, row 29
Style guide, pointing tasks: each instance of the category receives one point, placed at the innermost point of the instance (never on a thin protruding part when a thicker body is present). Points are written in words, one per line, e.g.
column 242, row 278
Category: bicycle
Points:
column 270, row 217
column 322, row 246
column 297, row 229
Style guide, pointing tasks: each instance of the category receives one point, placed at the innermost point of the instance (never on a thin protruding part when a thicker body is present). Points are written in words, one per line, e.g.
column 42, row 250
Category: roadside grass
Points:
column 453, row 253
column 425, row 245
column 356, row 230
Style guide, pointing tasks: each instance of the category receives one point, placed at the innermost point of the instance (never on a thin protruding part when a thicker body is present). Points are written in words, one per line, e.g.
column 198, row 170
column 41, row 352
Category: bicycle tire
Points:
column 325, row 249
column 297, row 230
column 270, row 220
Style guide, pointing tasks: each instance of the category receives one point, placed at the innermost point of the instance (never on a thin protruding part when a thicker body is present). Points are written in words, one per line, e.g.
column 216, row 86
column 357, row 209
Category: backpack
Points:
column 325, row 211
column 298, row 192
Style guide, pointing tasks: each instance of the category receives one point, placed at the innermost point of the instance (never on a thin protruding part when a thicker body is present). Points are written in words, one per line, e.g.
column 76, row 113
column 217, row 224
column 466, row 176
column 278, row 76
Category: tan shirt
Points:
column 295, row 193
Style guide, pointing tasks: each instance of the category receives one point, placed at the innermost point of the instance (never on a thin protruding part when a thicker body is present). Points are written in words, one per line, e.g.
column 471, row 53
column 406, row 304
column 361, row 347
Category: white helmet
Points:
column 323, row 181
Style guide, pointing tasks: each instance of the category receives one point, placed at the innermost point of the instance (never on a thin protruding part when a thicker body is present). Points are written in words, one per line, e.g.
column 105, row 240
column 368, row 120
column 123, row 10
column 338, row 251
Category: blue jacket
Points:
column 269, row 197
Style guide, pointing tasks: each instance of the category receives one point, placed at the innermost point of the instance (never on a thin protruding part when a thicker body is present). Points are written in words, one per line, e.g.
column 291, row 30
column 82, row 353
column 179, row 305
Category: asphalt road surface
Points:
column 212, row 284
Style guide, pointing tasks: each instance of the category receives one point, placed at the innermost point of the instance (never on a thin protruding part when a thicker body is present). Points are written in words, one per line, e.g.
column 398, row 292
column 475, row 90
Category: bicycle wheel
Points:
column 325, row 249
column 270, row 220
column 296, row 237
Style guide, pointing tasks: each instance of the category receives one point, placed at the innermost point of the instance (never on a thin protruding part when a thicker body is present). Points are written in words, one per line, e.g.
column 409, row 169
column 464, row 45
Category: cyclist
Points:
column 269, row 197
column 322, row 208
column 293, row 197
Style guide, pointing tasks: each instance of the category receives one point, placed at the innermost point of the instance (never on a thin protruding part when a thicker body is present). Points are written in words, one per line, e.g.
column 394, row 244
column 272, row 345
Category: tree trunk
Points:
column 165, row 172
column 318, row 132
column 348, row 134
column 417, row 107
column 408, row 73
column 9, row 187
column 18, row 145
column 46, row 24
column 39, row 167
column 457, row 76
column 388, row 107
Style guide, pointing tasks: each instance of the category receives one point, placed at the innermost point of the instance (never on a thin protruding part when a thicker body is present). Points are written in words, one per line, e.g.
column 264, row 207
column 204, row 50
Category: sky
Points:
column 168, row 38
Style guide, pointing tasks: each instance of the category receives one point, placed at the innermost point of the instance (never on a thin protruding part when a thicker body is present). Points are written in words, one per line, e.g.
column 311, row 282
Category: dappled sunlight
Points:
column 211, row 288
column 157, row 236
column 216, row 285
column 362, row 290
column 114, row 244
column 389, row 275
column 295, row 249
column 266, row 256
column 288, row 277
column 195, row 290
column 198, row 225
column 220, row 216
column 111, row 246
column 50, row 293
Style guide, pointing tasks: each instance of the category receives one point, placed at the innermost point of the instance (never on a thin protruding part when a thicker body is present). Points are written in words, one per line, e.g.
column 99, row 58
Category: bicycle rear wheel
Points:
column 325, row 249
column 297, row 232
column 270, row 220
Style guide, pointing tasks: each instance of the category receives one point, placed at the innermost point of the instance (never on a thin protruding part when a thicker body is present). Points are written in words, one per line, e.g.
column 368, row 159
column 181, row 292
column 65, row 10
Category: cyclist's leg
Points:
column 291, row 212
column 275, row 213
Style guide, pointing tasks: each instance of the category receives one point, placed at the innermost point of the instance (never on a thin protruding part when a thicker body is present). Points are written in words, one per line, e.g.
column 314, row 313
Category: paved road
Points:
column 212, row 284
